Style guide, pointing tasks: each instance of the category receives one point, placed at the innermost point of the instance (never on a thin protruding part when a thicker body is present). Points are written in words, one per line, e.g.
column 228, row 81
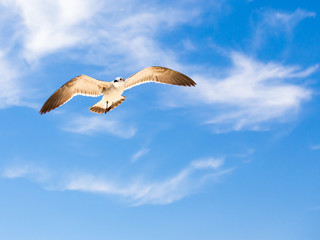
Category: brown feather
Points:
column 81, row 85
column 159, row 75
column 98, row 109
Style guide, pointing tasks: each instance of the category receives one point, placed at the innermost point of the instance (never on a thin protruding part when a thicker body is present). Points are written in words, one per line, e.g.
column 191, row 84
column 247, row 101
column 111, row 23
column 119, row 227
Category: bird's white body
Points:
column 112, row 94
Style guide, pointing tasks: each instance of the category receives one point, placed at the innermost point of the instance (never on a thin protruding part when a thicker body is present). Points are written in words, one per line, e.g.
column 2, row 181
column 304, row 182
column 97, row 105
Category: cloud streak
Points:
column 315, row 147
column 26, row 171
column 10, row 91
column 139, row 154
column 273, row 22
column 250, row 93
column 285, row 21
column 98, row 124
column 136, row 192
column 48, row 26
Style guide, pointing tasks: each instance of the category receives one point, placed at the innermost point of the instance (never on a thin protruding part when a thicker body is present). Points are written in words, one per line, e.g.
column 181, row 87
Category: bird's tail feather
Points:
column 101, row 106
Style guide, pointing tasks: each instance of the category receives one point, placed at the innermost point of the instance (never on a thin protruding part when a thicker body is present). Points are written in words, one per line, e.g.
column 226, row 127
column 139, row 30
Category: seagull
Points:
column 112, row 91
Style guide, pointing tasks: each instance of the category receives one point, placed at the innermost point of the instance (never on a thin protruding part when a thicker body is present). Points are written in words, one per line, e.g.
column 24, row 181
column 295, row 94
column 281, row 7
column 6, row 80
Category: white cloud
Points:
column 250, row 93
column 315, row 147
column 137, row 192
column 184, row 183
column 48, row 26
column 14, row 91
column 287, row 21
column 99, row 124
column 26, row 171
column 139, row 154
column 133, row 35
column 10, row 89
column 208, row 163
column 274, row 22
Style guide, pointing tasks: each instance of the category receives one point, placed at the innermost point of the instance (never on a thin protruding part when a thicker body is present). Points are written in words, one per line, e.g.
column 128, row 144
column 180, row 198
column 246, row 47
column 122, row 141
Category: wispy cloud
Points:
column 134, row 34
column 47, row 26
column 287, row 21
column 136, row 192
column 208, row 163
column 139, row 154
column 250, row 93
column 315, row 147
column 10, row 90
column 174, row 188
column 26, row 171
column 273, row 23
column 98, row 124
column 14, row 92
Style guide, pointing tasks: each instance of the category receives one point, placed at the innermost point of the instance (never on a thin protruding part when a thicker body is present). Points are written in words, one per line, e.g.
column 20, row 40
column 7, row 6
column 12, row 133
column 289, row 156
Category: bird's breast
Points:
column 113, row 93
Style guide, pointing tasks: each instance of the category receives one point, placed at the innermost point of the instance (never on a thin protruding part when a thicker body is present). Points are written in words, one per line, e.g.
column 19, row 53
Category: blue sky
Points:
column 236, row 157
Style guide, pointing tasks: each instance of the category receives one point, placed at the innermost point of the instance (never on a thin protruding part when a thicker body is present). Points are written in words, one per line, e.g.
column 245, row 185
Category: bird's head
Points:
column 119, row 81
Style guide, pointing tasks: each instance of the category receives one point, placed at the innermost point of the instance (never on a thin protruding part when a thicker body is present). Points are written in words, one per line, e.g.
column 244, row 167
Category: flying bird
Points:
column 112, row 91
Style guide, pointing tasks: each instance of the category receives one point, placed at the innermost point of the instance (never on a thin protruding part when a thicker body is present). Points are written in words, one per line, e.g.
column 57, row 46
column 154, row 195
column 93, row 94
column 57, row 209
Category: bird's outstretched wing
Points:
column 160, row 75
column 81, row 85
